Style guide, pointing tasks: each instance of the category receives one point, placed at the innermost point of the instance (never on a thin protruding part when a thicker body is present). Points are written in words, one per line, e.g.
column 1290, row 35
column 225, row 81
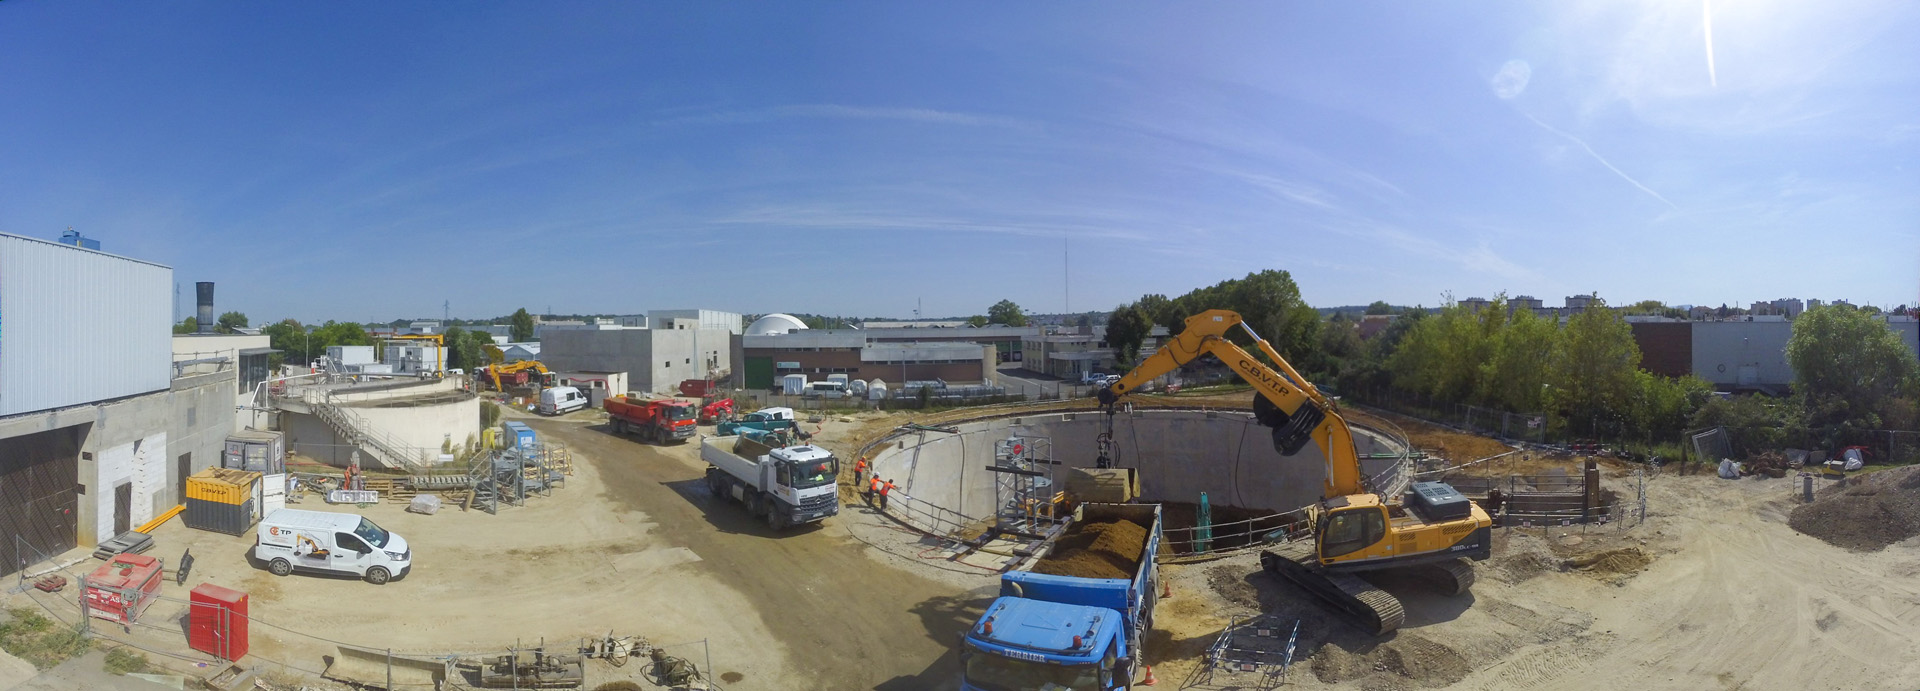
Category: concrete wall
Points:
column 202, row 411
column 655, row 360
column 417, row 415
column 1179, row 453
column 1721, row 349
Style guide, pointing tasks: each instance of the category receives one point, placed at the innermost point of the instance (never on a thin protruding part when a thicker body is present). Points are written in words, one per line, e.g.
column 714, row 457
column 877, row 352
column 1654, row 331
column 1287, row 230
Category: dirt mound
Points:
column 1866, row 514
column 1409, row 656
column 1613, row 561
column 1098, row 549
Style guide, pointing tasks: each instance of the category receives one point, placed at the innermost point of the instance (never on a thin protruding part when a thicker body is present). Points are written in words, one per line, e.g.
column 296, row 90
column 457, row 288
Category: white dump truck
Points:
column 787, row 486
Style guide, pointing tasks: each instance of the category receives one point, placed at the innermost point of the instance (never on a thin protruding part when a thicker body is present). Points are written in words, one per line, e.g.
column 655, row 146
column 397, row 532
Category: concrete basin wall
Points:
column 1179, row 453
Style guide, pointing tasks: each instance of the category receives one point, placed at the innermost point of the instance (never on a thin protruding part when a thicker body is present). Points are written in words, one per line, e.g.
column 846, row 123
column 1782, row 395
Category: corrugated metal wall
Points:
column 78, row 326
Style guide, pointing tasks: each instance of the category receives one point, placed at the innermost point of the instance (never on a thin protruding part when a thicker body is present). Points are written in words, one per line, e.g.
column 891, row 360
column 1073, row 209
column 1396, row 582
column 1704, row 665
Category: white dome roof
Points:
column 774, row 325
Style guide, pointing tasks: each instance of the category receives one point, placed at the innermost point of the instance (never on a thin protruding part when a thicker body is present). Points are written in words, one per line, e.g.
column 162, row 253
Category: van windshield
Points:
column 371, row 533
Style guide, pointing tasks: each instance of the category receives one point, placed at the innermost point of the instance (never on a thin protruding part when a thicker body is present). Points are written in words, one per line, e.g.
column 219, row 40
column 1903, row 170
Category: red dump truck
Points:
column 656, row 419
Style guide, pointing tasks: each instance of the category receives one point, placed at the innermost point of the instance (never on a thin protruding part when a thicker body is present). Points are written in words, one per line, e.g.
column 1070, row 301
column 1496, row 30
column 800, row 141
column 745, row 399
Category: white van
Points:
column 331, row 542
column 825, row 389
column 562, row 399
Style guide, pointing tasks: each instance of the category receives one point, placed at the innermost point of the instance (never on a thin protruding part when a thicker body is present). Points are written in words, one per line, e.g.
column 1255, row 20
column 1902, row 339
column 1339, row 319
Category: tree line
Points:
column 1582, row 378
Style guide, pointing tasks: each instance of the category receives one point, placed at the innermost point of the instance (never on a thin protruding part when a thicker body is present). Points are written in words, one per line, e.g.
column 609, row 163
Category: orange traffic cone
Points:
column 1166, row 590
column 1149, row 681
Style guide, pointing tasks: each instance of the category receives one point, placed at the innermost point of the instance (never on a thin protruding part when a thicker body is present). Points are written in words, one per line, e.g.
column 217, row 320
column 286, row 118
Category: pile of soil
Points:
column 1771, row 464
column 1866, row 514
column 1097, row 549
column 1613, row 561
column 1408, row 656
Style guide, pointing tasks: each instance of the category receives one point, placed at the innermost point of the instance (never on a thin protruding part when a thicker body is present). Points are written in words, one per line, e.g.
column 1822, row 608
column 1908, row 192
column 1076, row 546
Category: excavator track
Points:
column 1453, row 577
column 1371, row 608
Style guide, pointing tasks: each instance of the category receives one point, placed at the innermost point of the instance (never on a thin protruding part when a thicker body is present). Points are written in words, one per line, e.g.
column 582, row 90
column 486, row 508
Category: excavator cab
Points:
column 1345, row 531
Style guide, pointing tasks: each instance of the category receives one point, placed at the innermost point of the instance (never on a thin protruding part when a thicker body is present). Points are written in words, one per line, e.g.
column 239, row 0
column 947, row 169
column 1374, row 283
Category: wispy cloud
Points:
column 833, row 216
column 1479, row 258
column 1706, row 22
column 845, row 112
column 1279, row 188
column 1511, row 80
column 1602, row 159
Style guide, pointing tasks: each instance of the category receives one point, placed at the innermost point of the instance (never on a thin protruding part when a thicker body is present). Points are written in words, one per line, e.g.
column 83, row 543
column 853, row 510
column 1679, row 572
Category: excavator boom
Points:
column 1300, row 410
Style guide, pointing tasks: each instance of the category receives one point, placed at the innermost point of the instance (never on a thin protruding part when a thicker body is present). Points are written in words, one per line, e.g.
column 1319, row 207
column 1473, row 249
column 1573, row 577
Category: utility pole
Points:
column 1066, row 282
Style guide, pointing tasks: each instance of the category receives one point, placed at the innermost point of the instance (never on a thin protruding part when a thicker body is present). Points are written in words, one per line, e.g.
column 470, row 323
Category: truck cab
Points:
column 786, row 486
column 1025, row 644
column 1050, row 632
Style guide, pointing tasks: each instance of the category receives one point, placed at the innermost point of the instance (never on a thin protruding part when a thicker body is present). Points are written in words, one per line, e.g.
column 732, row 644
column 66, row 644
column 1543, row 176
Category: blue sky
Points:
column 367, row 161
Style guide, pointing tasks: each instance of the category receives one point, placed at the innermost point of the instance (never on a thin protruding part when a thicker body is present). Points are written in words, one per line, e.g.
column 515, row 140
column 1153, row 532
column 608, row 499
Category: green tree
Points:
column 187, row 326
column 1663, row 406
column 290, row 338
column 1005, row 312
column 1127, row 329
column 231, row 322
column 977, row 321
column 1849, row 369
column 1160, row 311
column 522, row 326
column 1596, row 381
column 1523, row 357
column 464, row 348
column 1379, row 307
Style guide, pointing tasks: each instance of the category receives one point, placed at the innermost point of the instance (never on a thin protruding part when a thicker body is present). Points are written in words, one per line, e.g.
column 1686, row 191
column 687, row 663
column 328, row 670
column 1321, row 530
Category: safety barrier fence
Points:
column 162, row 630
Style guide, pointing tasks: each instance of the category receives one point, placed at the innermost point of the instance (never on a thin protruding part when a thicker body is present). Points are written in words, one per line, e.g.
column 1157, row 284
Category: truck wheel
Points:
column 378, row 575
column 715, row 484
column 617, row 426
column 753, row 503
column 776, row 519
column 279, row 567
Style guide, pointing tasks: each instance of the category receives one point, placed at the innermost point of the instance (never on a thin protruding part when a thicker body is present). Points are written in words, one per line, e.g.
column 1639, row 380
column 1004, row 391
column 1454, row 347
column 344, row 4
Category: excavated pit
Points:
column 1179, row 454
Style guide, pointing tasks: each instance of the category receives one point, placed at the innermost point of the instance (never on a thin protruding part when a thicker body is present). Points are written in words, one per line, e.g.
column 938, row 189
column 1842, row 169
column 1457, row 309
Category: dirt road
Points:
column 846, row 620
column 1732, row 599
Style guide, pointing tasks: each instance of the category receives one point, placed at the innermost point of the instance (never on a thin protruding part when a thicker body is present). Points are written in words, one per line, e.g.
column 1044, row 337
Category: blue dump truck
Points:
column 1075, row 620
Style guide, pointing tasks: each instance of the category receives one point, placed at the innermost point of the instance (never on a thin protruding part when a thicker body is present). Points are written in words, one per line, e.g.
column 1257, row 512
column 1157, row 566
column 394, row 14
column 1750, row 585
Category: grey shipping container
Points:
column 261, row 452
column 79, row 326
column 232, row 519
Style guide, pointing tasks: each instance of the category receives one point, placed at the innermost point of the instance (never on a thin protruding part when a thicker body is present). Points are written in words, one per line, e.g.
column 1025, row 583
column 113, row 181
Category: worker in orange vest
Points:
column 873, row 488
column 859, row 471
column 884, row 489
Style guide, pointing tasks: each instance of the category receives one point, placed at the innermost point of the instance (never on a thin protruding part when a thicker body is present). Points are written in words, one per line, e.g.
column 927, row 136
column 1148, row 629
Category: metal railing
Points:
column 380, row 445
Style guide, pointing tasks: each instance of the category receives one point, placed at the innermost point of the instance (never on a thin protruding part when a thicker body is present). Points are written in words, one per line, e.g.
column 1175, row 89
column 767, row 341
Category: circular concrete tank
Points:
column 1179, row 454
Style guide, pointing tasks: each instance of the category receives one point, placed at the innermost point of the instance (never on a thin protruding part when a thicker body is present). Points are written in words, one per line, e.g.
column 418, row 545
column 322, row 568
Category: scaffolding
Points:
column 1028, row 499
column 509, row 475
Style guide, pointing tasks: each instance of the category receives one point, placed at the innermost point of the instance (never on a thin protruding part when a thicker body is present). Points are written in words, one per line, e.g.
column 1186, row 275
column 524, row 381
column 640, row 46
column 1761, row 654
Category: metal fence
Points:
column 161, row 627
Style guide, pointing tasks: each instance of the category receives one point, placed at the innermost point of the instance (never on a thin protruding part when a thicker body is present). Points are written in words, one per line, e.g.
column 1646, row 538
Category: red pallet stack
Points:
column 217, row 624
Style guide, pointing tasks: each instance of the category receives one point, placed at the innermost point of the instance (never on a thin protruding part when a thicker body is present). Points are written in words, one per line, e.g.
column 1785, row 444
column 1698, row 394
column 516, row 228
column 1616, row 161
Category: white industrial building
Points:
column 98, row 428
column 730, row 322
column 654, row 360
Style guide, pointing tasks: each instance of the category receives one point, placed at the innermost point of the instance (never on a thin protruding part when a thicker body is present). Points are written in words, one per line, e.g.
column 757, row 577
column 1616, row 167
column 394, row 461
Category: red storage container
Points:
column 123, row 587
column 217, row 624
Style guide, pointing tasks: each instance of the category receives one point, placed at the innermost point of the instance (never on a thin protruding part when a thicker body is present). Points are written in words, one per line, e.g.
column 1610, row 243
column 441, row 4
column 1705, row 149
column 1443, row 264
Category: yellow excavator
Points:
column 1432, row 527
column 497, row 370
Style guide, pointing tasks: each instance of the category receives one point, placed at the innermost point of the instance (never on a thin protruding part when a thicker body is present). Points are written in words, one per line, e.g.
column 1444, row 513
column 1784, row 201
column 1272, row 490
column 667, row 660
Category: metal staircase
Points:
column 383, row 448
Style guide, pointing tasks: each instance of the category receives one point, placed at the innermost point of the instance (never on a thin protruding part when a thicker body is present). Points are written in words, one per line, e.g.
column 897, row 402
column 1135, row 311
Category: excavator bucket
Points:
column 1290, row 432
